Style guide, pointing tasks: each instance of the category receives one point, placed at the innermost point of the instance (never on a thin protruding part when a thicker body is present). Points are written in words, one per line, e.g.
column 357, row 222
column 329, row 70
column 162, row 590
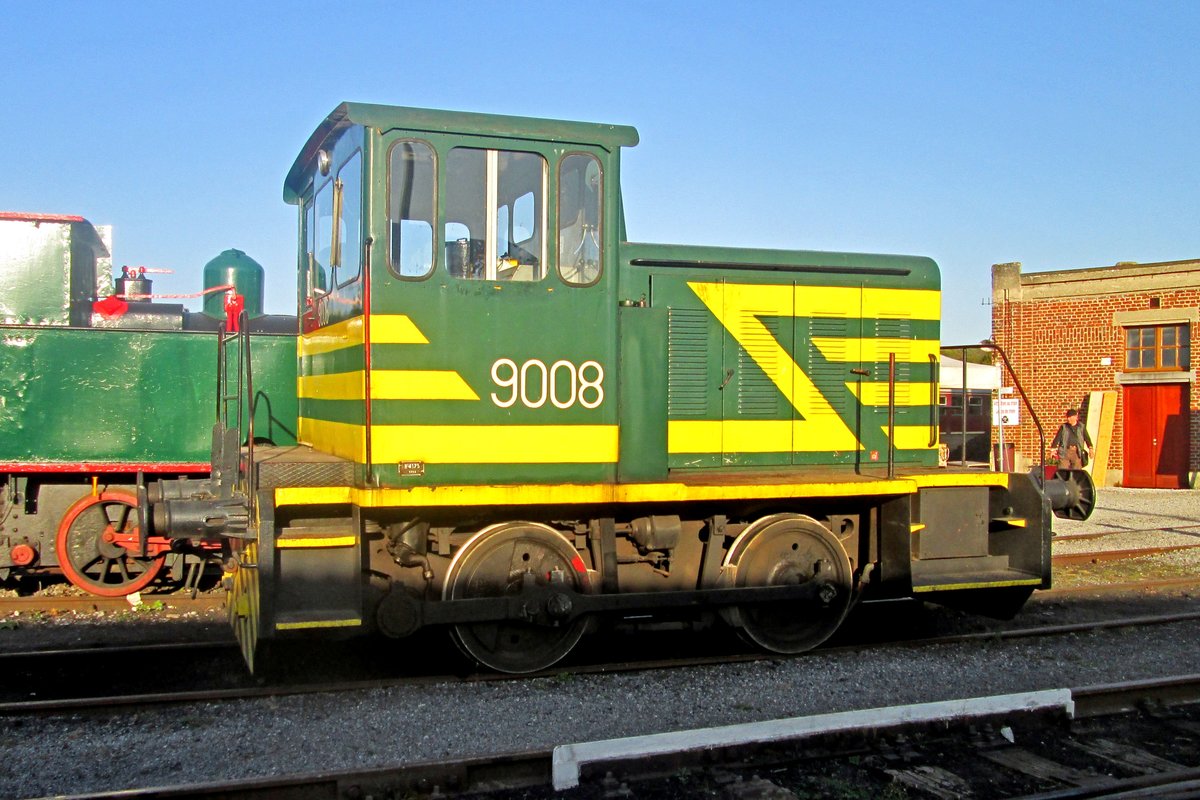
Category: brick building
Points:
column 1125, row 330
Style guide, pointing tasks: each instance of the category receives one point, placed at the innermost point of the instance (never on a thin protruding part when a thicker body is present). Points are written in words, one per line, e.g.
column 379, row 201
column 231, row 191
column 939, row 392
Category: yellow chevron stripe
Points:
column 912, row 437
column 853, row 350
column 395, row 329
column 465, row 444
column 738, row 308
column 395, row 384
column 495, row 444
column 875, row 393
column 768, row 436
column 338, row 336
column 341, row 439
column 922, row 304
column 337, row 386
column 385, row 329
column 753, row 436
column 417, row 384
column 812, row 301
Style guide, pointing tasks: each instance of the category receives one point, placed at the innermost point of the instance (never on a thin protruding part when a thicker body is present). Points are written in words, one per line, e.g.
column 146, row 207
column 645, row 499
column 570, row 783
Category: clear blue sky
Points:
column 1061, row 135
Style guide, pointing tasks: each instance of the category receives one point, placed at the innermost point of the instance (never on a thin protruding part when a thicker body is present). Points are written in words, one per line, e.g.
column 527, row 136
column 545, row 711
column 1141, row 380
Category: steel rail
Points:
column 1078, row 537
column 1097, row 556
column 257, row 692
column 148, row 604
column 1113, row 588
column 534, row 768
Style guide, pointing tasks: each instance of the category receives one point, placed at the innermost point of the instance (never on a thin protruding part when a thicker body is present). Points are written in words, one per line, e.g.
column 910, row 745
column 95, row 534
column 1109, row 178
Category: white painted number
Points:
column 571, row 381
column 510, row 382
column 585, row 384
column 563, row 383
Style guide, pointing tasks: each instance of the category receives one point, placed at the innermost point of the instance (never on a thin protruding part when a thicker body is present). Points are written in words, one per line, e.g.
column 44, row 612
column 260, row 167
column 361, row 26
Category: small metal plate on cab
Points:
column 412, row 467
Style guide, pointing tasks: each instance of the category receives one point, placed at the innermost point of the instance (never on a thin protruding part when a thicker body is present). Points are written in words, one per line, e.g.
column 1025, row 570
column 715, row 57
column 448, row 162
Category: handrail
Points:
column 988, row 344
column 935, row 375
column 244, row 417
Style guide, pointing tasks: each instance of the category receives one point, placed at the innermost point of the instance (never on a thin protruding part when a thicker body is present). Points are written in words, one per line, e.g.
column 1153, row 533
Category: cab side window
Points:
column 321, row 238
column 411, row 202
column 349, row 246
column 579, row 235
column 495, row 215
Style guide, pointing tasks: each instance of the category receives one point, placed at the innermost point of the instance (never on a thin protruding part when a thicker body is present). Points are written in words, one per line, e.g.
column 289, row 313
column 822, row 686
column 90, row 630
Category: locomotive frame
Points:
column 514, row 422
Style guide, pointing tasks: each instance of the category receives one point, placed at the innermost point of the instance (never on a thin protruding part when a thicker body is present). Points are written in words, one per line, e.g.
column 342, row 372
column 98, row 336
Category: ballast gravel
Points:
column 172, row 745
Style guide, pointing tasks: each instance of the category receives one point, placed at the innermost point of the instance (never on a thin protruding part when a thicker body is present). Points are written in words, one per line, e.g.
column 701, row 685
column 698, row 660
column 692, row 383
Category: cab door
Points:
column 493, row 316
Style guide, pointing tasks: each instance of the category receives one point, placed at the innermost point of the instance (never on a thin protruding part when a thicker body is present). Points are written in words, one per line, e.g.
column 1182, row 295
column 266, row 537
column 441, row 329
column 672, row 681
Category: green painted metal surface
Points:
column 234, row 268
column 423, row 121
column 697, row 371
column 70, row 395
column 49, row 268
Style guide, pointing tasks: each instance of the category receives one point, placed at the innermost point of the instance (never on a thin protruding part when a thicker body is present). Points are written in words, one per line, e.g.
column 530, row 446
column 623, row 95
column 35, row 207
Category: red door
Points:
column 1156, row 436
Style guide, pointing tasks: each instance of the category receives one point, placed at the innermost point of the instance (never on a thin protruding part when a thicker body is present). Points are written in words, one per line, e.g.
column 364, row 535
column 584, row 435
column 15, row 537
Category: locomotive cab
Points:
column 458, row 296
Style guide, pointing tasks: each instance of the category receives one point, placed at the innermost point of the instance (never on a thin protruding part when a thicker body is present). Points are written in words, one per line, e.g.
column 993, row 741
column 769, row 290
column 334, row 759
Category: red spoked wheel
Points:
column 96, row 545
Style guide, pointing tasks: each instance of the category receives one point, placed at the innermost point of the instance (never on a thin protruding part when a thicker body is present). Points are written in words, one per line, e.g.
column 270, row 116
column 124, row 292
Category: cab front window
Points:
column 495, row 215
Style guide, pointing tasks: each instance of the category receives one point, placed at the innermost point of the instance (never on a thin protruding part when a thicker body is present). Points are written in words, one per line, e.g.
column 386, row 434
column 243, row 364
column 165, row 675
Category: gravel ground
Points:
column 76, row 753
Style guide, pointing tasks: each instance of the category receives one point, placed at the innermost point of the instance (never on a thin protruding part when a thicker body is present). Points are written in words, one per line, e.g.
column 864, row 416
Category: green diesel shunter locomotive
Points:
column 514, row 423
column 98, row 383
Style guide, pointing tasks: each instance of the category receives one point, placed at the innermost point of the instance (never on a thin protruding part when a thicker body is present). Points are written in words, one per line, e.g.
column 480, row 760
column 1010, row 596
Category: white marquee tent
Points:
column 980, row 377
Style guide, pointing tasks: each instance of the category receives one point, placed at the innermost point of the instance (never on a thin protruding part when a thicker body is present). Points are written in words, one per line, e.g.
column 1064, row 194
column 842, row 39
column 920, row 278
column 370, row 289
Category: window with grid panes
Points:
column 1158, row 347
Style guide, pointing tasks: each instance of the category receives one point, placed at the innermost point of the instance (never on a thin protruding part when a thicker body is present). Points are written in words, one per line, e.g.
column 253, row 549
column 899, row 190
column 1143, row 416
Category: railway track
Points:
column 244, row 687
column 1193, row 530
column 50, row 604
column 1086, row 742
column 1097, row 556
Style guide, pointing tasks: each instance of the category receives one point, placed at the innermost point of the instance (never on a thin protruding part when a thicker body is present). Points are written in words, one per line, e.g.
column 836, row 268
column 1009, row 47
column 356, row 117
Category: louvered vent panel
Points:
column 897, row 332
column 687, row 362
column 828, row 371
column 756, row 392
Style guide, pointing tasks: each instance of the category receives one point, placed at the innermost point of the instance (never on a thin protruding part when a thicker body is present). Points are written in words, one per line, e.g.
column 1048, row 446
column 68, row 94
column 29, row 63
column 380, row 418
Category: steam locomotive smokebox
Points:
column 234, row 268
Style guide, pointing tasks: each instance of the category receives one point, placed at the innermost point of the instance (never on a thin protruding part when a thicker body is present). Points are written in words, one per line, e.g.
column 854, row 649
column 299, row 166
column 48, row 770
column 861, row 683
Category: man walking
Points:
column 1071, row 442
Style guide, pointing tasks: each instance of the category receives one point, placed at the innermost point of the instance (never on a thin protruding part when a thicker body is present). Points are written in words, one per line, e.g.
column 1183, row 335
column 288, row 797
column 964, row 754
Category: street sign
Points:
column 1006, row 411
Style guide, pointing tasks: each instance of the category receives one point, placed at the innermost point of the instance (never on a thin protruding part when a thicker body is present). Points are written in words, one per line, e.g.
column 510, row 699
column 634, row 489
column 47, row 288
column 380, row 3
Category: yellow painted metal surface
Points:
column 582, row 494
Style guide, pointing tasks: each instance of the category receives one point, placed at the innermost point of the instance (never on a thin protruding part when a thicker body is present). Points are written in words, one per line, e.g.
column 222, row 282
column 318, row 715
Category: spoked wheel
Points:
column 505, row 560
column 96, row 543
column 789, row 549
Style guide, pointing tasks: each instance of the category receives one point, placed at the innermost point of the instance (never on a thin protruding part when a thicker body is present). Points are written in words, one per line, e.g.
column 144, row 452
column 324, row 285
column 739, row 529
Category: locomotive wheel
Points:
column 785, row 549
column 495, row 563
column 93, row 544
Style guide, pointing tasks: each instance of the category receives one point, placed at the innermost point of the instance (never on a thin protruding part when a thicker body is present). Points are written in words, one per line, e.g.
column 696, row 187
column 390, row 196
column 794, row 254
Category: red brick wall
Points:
column 1056, row 346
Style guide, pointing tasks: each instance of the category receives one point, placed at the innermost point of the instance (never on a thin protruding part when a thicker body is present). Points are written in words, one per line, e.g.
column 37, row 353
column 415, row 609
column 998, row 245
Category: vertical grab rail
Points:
column 243, row 388
column 891, row 464
column 251, row 473
column 965, row 405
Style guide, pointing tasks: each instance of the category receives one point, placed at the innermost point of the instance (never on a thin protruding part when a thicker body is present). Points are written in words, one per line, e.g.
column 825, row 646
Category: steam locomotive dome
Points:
column 234, row 268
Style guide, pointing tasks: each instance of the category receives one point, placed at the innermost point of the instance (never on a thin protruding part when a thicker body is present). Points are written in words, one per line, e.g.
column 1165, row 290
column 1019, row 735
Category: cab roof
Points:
column 385, row 118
